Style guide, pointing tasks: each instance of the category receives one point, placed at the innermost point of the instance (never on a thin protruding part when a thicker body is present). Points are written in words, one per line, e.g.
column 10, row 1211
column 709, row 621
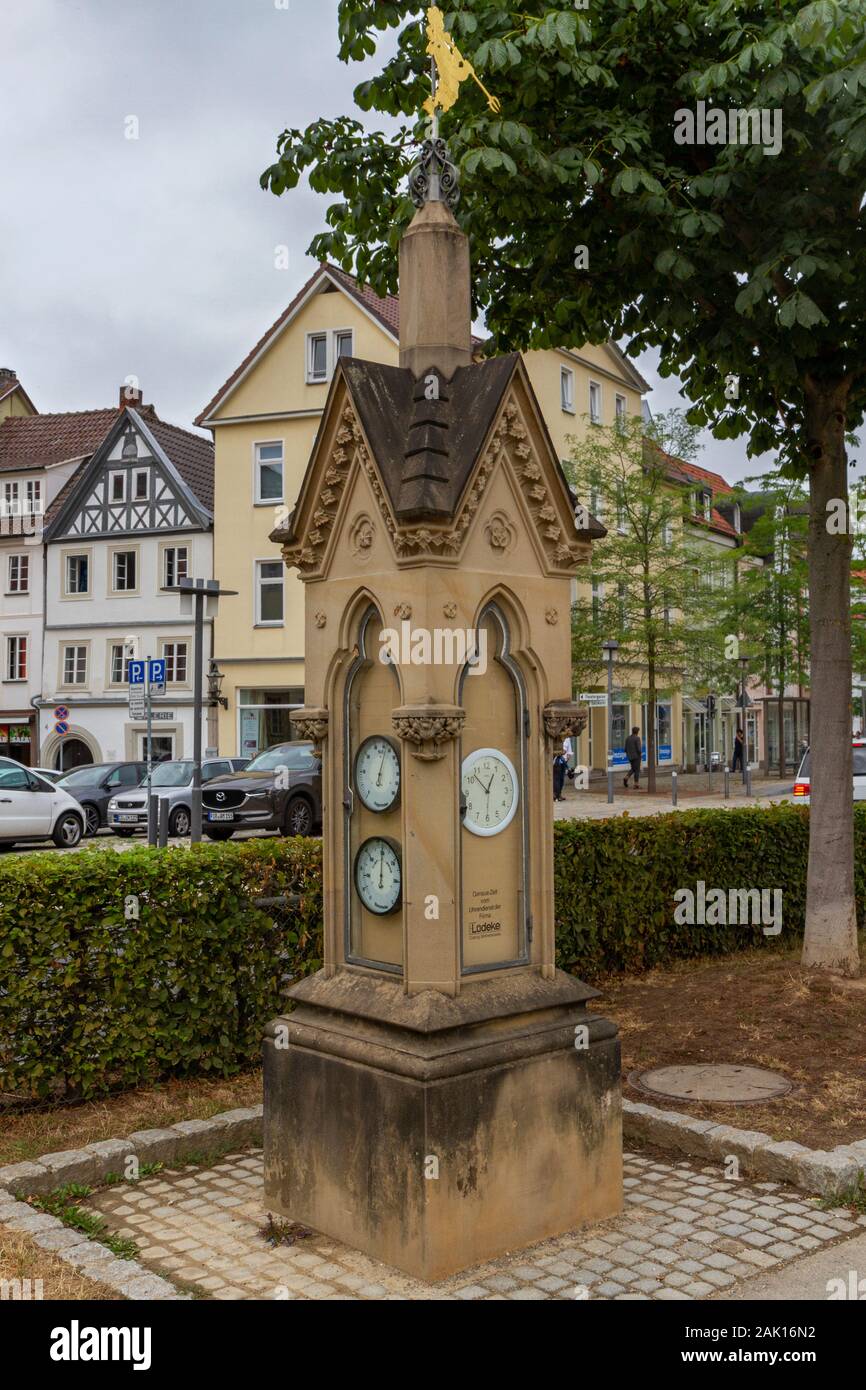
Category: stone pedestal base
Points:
column 435, row 1133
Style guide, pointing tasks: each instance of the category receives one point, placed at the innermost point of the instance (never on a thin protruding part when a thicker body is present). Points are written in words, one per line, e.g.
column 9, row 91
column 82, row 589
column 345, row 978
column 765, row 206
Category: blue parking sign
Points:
column 156, row 675
column 136, row 673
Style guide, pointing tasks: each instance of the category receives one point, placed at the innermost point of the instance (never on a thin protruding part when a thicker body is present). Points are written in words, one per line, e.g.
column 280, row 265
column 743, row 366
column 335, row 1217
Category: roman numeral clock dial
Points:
column 490, row 791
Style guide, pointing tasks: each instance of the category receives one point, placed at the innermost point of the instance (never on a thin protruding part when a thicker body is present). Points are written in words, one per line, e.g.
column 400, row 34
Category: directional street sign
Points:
column 594, row 700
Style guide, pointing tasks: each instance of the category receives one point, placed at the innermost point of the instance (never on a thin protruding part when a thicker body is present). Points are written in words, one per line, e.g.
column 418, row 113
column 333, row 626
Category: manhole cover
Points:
column 723, row 1082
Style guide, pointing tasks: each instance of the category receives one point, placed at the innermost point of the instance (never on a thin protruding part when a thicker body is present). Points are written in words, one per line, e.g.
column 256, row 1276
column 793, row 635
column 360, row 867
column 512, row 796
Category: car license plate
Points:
column 127, row 819
column 220, row 815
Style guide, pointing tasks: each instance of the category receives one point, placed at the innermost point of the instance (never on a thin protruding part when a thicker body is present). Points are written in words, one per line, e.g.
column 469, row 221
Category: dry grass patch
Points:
column 24, row 1137
column 758, row 1008
column 21, row 1259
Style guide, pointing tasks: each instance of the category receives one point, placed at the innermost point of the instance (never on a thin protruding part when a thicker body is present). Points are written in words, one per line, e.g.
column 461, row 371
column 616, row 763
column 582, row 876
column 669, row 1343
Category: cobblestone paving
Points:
column 686, row 1233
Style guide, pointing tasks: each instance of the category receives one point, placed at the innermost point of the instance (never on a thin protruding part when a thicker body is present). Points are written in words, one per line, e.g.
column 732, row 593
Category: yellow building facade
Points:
column 264, row 422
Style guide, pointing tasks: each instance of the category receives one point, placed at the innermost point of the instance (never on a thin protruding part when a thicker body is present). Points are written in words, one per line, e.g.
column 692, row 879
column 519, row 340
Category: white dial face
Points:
column 490, row 790
column 377, row 774
column 379, row 876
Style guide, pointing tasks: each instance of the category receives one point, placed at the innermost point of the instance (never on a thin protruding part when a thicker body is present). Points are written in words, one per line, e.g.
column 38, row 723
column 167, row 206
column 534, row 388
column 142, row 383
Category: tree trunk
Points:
column 830, row 939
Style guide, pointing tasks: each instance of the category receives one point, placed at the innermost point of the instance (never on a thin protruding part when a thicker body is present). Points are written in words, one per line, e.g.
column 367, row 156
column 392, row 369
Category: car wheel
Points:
column 91, row 820
column 68, row 832
column 124, row 834
column 299, row 817
column 179, row 823
column 219, row 834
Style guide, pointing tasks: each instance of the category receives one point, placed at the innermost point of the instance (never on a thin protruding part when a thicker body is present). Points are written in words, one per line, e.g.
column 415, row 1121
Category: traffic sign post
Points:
column 61, row 727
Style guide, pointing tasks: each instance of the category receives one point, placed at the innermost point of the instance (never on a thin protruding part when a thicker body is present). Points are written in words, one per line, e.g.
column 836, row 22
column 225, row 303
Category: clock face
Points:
column 490, row 790
column 379, row 875
column 377, row 773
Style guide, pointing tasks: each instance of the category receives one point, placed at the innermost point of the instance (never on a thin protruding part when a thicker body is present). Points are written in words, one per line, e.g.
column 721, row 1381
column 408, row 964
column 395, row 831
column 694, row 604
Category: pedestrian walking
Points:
column 634, row 752
column 560, row 763
column 739, row 746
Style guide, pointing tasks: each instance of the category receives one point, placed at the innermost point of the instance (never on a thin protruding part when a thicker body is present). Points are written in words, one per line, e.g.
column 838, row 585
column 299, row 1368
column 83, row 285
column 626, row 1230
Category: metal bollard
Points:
column 152, row 813
column 727, row 784
column 748, row 781
column 674, row 787
column 162, row 837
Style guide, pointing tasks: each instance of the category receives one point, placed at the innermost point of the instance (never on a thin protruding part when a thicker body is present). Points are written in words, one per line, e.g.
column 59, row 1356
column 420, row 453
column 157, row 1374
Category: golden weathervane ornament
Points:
column 451, row 68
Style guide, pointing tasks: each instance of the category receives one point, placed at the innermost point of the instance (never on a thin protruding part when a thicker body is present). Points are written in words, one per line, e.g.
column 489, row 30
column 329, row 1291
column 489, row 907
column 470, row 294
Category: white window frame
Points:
column 113, row 555
column 621, row 414
column 331, row 337
column 19, row 589
column 76, row 647
column 171, row 661
column 136, row 474
column 596, row 419
column 76, row 554
column 566, row 390
column 258, row 461
column 112, row 500
column 167, row 548
column 35, row 504
column 11, row 494
column 257, row 586
column 113, row 646
column 707, row 502
column 16, row 642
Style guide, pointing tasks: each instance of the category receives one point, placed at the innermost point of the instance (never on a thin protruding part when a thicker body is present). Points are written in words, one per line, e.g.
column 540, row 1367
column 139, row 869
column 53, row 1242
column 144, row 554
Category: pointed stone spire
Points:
column 435, row 295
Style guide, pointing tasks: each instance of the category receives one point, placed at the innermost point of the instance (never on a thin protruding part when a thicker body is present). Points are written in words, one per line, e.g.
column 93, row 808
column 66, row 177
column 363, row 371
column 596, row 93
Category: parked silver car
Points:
column 172, row 781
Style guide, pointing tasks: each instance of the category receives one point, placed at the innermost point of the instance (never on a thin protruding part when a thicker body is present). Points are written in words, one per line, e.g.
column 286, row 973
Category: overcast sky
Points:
column 155, row 256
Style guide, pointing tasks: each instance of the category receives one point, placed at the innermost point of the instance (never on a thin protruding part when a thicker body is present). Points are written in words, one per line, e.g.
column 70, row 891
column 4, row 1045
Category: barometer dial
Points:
column 379, row 875
column 377, row 773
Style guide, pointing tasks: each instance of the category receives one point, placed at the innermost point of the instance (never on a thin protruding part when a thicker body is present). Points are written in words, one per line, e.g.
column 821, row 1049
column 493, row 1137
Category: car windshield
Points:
column 82, row 777
column 284, row 755
column 172, row 775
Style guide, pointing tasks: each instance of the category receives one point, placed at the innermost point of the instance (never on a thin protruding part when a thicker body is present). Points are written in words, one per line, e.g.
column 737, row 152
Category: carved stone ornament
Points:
column 311, row 724
column 403, row 612
column 308, row 554
column 449, row 610
column 552, row 616
column 564, row 719
column 361, row 537
column 500, row 533
column 321, row 619
column 428, row 728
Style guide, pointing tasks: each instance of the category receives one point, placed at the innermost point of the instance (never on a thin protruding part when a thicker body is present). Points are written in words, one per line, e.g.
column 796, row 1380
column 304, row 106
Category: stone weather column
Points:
column 439, row 1093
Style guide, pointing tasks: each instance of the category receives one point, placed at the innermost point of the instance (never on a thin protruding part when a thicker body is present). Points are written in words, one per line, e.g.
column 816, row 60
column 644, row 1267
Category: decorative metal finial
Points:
column 434, row 178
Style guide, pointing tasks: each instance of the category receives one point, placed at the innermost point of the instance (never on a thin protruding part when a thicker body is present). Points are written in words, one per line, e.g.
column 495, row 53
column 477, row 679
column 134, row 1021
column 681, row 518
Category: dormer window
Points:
column 708, row 506
column 738, row 519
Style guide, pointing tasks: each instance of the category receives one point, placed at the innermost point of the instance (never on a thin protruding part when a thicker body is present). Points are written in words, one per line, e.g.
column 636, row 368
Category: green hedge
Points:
column 90, row 1001
column 615, row 882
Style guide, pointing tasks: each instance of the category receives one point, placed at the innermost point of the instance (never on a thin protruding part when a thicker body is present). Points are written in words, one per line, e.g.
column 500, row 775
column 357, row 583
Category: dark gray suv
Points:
column 94, row 787
column 280, row 790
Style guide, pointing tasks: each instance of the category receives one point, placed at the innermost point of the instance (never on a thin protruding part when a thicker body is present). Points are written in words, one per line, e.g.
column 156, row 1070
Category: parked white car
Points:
column 803, row 785
column 32, row 808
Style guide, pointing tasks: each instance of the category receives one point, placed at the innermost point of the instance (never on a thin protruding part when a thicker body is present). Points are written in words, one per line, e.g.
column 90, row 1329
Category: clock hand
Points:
column 381, row 769
column 381, row 868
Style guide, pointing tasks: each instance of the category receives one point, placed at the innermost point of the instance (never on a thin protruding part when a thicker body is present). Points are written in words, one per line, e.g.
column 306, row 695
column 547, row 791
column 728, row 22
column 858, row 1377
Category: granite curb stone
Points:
column 91, row 1165
column 829, row 1173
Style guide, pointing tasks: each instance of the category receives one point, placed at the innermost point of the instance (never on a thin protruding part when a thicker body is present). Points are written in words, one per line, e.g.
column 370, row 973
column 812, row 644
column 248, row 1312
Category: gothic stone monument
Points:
column 439, row 1093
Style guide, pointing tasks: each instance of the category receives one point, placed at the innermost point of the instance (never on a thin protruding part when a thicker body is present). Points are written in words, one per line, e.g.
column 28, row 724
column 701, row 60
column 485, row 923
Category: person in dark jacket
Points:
column 633, row 751
column 737, row 760
column 560, row 763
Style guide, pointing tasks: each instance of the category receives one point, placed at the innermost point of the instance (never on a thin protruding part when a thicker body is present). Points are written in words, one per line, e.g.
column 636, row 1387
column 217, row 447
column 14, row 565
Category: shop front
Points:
column 18, row 737
column 263, row 718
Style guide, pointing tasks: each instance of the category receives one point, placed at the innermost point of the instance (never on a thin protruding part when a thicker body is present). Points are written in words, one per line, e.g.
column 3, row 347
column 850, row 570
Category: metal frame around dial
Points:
column 395, row 747
column 395, row 848
column 515, row 790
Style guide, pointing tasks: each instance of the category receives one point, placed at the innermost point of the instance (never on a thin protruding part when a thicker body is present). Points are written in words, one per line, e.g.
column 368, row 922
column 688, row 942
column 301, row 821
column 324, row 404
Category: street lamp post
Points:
column 196, row 595
column 744, row 667
column 609, row 651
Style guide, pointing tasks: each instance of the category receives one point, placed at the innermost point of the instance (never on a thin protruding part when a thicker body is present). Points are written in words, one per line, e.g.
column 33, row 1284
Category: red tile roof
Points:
column 712, row 482
column 9, row 383
column 35, row 441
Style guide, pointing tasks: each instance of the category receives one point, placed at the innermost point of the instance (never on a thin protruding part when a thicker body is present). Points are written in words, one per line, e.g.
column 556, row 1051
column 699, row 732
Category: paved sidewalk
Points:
column 693, row 796
column 686, row 1233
